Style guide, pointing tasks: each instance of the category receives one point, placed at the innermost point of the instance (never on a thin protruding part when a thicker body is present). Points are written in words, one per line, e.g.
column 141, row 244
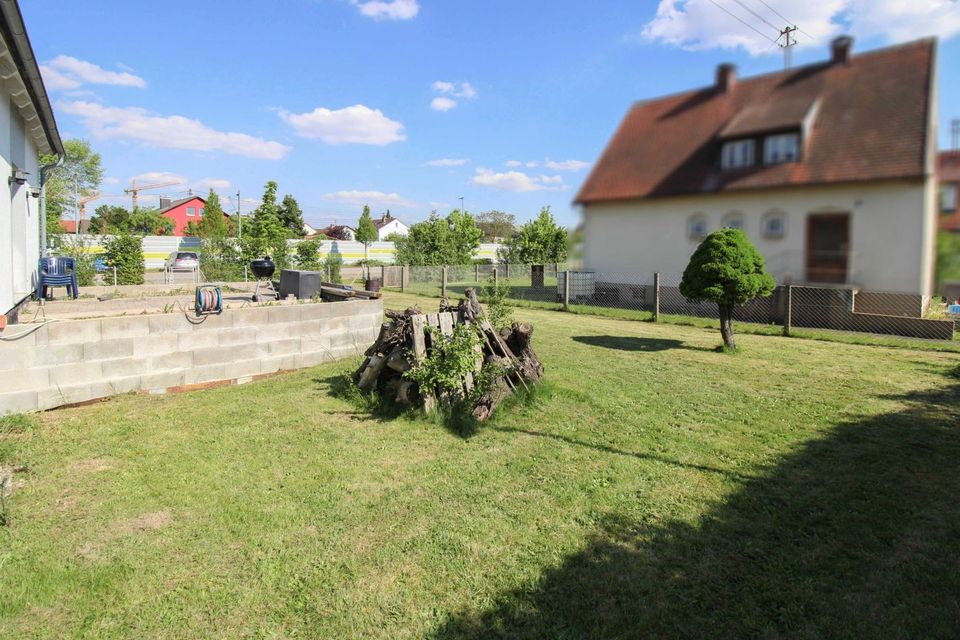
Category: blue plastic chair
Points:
column 57, row 272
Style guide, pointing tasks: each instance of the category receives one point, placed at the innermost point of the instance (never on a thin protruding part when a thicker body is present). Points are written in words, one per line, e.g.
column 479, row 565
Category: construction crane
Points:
column 82, row 208
column 134, row 190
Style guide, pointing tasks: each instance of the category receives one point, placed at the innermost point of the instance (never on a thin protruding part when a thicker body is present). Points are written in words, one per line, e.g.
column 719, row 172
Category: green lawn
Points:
column 654, row 488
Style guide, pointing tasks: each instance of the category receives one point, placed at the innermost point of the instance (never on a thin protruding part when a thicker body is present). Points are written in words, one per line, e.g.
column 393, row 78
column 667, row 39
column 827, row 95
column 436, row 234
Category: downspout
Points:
column 43, row 201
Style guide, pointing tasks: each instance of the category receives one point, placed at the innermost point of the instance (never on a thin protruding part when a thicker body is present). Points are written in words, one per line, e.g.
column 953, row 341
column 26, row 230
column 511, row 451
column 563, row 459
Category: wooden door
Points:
column 828, row 247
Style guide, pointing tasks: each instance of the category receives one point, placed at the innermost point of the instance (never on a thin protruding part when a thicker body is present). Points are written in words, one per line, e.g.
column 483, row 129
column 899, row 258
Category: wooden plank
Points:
column 417, row 324
column 433, row 320
column 446, row 323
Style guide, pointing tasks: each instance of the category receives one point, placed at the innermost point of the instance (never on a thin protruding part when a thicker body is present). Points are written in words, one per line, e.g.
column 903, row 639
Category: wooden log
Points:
column 406, row 391
column 386, row 333
column 491, row 398
column 417, row 323
column 368, row 379
column 398, row 361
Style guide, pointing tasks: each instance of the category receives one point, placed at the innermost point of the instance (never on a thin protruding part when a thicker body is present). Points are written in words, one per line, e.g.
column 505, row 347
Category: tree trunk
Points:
column 726, row 326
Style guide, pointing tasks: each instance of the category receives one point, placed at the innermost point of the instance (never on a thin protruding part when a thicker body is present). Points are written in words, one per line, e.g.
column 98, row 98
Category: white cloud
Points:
column 373, row 198
column 513, row 163
column 67, row 72
column 151, row 177
column 217, row 184
column 450, row 90
column 701, row 24
column 438, row 205
column 517, row 181
column 441, row 103
column 566, row 165
column 170, row 132
column 388, row 9
column 448, row 162
column 111, row 180
column 533, row 164
column 351, row 125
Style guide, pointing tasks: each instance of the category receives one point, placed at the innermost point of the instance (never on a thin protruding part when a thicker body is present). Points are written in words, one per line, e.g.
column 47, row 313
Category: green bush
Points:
column 494, row 295
column 81, row 250
column 220, row 260
column 331, row 265
column 308, row 255
column 125, row 253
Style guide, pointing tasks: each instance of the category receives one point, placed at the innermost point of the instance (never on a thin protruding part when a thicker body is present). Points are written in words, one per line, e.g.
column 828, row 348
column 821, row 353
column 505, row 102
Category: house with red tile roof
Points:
column 829, row 168
column 948, row 185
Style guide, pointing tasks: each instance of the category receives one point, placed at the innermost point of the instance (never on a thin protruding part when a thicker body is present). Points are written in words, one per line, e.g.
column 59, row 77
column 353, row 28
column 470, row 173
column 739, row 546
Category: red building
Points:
column 183, row 212
column 948, row 175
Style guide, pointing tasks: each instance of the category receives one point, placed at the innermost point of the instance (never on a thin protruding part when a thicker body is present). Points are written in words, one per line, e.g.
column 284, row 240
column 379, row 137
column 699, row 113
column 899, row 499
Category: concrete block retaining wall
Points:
column 75, row 361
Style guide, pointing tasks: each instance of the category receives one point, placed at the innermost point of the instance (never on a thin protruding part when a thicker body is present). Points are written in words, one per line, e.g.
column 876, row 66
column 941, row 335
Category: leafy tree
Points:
column 496, row 225
column 291, row 216
column 125, row 252
column 81, row 249
column 537, row 242
column 81, row 169
column 308, row 254
column 440, row 241
column 110, row 219
column 727, row 269
column 266, row 233
column 366, row 232
column 213, row 224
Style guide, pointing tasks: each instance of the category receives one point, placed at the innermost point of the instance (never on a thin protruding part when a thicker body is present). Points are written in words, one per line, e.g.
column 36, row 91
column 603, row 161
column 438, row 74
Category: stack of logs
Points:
column 406, row 340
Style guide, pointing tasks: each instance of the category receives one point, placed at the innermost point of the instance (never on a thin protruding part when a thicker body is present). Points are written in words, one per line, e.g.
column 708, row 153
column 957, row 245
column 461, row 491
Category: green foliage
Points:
column 125, row 252
column 494, row 295
column 727, row 269
column 496, row 225
column 291, row 216
column 220, row 259
column 448, row 361
column 17, row 423
column 366, row 230
column 331, row 265
column 308, row 254
column 81, row 170
column 537, row 242
column 440, row 241
column 213, row 224
column 111, row 219
column 80, row 248
column 948, row 257
column 266, row 235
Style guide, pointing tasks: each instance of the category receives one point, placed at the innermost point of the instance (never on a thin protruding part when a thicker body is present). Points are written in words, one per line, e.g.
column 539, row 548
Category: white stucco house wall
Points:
column 829, row 168
column 27, row 130
column 388, row 225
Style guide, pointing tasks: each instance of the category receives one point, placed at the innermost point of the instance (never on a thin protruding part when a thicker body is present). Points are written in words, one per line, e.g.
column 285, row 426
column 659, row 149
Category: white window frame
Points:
column 770, row 216
column 781, row 148
column 948, row 197
column 201, row 212
column 191, row 212
column 734, row 220
column 694, row 221
column 737, row 153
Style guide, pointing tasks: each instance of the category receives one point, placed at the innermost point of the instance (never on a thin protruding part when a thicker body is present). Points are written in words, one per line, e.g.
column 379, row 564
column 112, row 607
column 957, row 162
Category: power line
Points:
column 782, row 17
column 743, row 21
column 768, row 23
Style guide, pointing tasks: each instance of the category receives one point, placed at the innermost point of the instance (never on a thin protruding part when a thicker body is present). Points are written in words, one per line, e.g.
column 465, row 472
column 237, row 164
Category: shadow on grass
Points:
column 630, row 343
column 853, row 535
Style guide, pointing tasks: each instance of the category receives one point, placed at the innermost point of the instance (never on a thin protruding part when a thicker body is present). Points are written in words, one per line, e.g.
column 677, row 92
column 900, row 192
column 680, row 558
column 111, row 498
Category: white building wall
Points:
column 890, row 244
column 394, row 226
column 7, row 250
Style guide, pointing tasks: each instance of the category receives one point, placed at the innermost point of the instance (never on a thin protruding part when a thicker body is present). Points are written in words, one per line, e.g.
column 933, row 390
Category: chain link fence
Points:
column 791, row 309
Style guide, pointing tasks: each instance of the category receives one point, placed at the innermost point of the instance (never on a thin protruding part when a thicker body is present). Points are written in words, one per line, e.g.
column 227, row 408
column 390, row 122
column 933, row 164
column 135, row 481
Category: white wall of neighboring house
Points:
column 394, row 226
column 891, row 246
column 19, row 211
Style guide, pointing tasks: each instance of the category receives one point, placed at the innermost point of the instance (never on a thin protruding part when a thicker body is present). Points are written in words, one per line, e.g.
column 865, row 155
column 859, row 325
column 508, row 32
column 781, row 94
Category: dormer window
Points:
column 781, row 148
column 737, row 153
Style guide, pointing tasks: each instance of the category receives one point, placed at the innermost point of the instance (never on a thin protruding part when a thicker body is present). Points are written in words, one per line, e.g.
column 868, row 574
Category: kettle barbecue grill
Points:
column 262, row 269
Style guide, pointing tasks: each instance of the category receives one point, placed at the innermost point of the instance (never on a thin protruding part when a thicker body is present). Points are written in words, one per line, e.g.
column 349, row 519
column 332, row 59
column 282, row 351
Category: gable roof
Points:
column 384, row 220
column 870, row 123
column 176, row 203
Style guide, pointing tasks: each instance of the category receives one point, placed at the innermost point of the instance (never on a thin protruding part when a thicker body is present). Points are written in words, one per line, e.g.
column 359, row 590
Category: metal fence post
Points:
column 404, row 276
column 566, row 290
column 788, row 314
column 114, row 276
column 496, row 275
column 476, row 273
column 383, row 275
column 506, row 266
column 656, row 297
column 443, row 282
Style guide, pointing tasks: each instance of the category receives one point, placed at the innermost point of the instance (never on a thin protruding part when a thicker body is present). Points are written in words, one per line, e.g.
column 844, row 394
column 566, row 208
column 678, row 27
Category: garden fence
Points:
column 790, row 309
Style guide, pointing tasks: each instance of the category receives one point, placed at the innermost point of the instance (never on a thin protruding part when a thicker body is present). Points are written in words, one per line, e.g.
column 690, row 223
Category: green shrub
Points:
column 125, row 253
column 81, row 250
column 449, row 360
column 331, row 265
column 220, row 260
column 308, row 254
column 494, row 296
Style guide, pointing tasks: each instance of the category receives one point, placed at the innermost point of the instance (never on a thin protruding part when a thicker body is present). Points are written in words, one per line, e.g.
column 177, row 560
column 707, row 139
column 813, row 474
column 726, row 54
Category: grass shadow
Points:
column 630, row 343
column 855, row 534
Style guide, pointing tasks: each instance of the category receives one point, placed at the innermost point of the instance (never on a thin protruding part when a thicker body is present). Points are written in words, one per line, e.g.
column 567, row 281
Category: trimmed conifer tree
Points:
column 727, row 269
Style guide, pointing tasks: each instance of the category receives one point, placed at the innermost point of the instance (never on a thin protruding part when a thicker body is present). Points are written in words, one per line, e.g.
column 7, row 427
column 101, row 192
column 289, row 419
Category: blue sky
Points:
column 410, row 104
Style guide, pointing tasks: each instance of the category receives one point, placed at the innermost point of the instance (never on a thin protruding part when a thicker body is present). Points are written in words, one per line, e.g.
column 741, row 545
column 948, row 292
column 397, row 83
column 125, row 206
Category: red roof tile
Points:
column 948, row 166
column 870, row 124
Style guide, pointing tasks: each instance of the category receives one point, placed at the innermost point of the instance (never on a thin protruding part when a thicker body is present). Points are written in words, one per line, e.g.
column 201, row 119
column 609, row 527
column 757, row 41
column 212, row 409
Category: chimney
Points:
column 726, row 77
column 840, row 49
column 164, row 202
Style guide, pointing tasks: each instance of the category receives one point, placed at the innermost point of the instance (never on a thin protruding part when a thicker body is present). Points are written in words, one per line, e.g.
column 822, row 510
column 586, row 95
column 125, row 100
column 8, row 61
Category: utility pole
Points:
column 789, row 41
column 239, row 217
column 955, row 134
column 462, row 210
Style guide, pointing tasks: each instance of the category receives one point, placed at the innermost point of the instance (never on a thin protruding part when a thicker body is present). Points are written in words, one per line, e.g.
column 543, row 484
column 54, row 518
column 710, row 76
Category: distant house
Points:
column 337, row 232
column 184, row 211
column 387, row 225
column 29, row 130
column 308, row 231
column 70, row 226
column 948, row 179
column 828, row 167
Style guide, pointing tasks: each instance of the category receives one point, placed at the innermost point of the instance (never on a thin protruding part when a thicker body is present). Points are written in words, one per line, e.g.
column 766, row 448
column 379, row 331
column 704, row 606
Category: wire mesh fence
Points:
column 797, row 309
